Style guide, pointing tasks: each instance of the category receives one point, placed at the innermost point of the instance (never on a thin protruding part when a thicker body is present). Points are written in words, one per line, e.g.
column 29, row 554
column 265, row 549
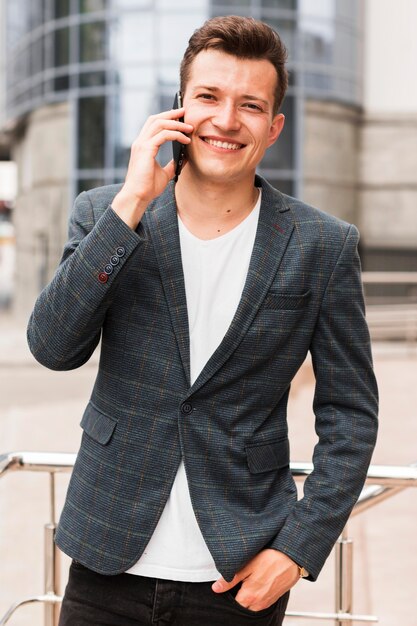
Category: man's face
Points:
column 229, row 101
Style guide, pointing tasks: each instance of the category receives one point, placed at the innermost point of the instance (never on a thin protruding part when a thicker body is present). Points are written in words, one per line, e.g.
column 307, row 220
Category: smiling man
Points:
column 208, row 294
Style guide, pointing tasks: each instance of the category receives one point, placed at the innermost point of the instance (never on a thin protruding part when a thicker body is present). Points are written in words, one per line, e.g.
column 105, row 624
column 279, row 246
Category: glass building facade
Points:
column 116, row 62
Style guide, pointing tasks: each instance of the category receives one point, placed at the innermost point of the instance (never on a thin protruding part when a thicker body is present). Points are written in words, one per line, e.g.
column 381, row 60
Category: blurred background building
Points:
column 82, row 76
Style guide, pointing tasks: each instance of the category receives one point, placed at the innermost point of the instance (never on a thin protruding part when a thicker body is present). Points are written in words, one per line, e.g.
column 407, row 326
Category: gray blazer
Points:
column 303, row 293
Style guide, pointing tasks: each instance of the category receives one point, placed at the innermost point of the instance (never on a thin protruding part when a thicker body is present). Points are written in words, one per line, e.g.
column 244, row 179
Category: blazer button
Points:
column 114, row 260
column 103, row 277
column 108, row 268
column 186, row 408
column 120, row 251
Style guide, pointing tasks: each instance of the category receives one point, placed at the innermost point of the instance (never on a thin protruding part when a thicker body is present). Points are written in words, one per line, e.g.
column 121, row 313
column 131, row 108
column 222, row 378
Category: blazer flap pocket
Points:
column 268, row 455
column 98, row 426
column 286, row 300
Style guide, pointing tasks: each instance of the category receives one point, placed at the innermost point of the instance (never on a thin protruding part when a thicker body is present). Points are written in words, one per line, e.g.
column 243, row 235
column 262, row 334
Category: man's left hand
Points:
column 265, row 578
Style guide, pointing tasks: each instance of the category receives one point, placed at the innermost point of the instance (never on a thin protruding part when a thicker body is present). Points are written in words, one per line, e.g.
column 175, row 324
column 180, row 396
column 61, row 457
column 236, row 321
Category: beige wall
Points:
column 331, row 139
column 388, row 196
column 388, row 154
column 42, row 156
column 390, row 56
column 361, row 165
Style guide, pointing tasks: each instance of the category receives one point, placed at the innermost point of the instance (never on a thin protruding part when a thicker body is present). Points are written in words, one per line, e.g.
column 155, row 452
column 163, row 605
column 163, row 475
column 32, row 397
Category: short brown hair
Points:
column 242, row 37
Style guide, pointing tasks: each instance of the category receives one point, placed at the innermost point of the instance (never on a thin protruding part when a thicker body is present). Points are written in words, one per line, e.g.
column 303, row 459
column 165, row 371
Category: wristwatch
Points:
column 303, row 572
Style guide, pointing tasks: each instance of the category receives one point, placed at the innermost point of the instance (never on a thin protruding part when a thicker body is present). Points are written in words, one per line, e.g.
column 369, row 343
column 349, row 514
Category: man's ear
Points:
column 276, row 127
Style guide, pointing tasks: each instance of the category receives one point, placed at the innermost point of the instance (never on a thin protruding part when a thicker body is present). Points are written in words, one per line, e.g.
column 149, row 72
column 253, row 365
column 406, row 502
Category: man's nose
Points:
column 226, row 117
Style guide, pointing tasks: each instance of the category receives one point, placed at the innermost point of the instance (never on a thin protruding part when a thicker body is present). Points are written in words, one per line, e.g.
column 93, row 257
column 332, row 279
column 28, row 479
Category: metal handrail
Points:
column 382, row 482
column 394, row 316
column 406, row 278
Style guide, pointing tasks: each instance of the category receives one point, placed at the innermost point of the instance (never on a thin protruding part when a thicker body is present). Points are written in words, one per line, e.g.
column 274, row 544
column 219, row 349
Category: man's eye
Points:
column 206, row 96
column 254, row 107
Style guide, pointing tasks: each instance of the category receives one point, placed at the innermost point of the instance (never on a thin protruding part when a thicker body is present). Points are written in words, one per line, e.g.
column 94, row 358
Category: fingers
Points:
column 169, row 120
column 158, row 130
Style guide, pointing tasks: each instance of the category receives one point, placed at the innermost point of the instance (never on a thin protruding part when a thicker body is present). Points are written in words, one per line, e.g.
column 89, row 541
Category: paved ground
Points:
column 40, row 410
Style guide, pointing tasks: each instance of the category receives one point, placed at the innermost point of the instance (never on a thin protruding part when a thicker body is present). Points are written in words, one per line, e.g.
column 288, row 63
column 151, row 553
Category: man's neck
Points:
column 210, row 210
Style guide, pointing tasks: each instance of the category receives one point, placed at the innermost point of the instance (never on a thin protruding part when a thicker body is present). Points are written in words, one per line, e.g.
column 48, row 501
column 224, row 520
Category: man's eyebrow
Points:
column 246, row 96
column 208, row 87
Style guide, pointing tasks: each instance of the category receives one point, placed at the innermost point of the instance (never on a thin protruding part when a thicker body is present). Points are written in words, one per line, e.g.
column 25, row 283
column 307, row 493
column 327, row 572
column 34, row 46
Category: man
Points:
column 207, row 295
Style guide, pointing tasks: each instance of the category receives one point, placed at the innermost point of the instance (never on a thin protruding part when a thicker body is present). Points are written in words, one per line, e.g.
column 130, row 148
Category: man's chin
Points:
column 218, row 173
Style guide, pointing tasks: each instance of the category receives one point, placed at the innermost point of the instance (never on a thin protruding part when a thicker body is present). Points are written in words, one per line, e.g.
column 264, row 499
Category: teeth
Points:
column 223, row 144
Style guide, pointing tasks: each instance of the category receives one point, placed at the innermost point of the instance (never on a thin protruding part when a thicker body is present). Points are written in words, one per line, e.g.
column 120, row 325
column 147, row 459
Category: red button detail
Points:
column 103, row 278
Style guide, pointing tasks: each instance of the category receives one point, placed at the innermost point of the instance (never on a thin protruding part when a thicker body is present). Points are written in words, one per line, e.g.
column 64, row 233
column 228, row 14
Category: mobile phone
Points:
column 178, row 149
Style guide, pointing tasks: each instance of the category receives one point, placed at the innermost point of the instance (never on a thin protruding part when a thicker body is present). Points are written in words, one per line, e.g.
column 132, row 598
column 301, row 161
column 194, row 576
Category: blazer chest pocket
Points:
column 97, row 425
column 268, row 455
column 285, row 300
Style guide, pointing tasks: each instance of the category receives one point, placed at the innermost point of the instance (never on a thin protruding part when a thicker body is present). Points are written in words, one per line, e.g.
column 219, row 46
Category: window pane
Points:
column 22, row 66
column 48, row 50
column 18, row 21
column 286, row 30
column 347, row 9
column 93, row 42
column 285, row 186
column 61, row 83
column 61, row 49
column 36, row 57
column 88, row 6
column 187, row 4
column 318, row 81
column 231, row 3
column 92, row 79
column 173, row 33
column 91, row 132
column 318, row 8
column 317, row 43
column 62, row 8
column 130, row 111
column 36, row 8
column 84, row 184
column 132, row 38
column 134, row 4
column 37, row 91
column 281, row 154
column 137, row 75
column 281, row 4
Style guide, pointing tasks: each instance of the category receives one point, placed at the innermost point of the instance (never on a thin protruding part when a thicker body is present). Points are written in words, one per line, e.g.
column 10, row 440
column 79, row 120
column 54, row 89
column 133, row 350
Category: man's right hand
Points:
column 145, row 178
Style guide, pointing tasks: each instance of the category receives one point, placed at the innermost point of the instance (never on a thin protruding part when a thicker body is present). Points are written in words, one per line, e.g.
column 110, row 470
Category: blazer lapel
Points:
column 163, row 228
column 272, row 236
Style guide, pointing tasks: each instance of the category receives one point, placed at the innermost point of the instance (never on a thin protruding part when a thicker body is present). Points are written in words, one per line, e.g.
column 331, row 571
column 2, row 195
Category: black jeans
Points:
column 127, row 600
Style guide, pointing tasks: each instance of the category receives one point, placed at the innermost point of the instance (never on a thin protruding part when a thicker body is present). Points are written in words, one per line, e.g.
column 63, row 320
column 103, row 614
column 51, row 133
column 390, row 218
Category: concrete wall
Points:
column 390, row 56
column 331, row 140
column 388, row 151
column 41, row 215
column 388, row 196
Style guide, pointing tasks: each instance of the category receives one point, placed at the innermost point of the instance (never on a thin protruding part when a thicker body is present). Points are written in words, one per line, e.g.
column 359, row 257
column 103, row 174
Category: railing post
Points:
column 52, row 576
column 344, row 576
column 52, row 561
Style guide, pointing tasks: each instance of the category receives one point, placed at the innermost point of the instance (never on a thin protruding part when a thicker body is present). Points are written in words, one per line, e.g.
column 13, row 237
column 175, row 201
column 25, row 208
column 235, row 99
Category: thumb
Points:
column 221, row 585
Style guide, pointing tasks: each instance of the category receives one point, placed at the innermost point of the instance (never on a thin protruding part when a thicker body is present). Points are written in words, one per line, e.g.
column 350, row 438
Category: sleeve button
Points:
column 103, row 277
column 108, row 268
column 120, row 251
column 114, row 260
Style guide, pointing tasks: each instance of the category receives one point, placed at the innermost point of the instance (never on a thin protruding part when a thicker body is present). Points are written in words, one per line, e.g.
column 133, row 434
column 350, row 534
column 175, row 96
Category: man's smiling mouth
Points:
column 226, row 145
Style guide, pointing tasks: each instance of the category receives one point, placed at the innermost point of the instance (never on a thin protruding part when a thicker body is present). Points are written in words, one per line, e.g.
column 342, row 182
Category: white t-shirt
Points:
column 215, row 272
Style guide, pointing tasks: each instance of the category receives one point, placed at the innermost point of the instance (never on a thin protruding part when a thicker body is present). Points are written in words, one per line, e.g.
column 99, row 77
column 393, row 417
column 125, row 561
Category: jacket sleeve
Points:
column 345, row 406
column 65, row 325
